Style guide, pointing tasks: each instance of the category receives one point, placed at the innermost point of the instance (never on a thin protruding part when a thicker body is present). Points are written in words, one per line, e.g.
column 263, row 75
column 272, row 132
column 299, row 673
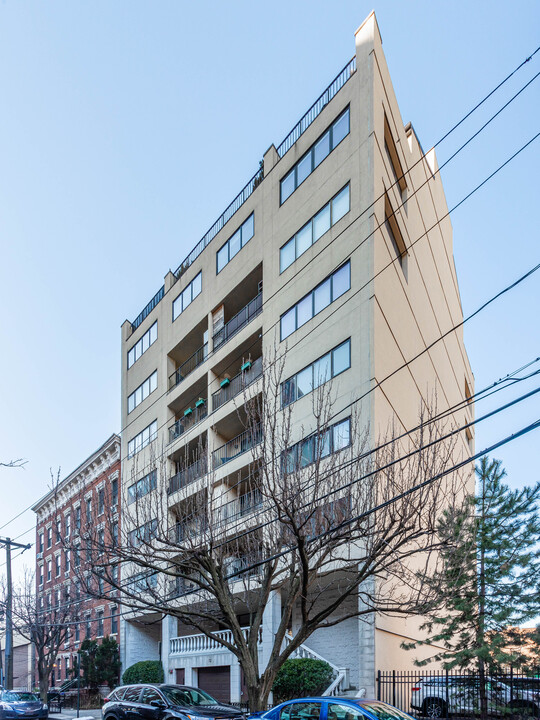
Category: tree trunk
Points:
column 43, row 684
column 482, row 611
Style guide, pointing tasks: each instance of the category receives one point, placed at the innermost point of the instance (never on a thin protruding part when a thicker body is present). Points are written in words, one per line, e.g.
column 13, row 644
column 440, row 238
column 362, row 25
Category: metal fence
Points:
column 441, row 694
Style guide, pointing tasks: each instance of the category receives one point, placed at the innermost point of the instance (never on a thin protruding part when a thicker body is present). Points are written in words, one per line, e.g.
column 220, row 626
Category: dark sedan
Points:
column 18, row 704
column 164, row 702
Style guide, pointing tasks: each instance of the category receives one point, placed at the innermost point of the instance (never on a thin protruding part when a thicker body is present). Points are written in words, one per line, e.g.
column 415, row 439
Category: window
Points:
column 344, row 712
column 142, row 392
column 150, row 695
column 235, row 243
column 114, row 534
column 49, row 537
column 101, row 540
column 329, row 290
column 67, row 522
column 89, row 512
column 141, row 440
column 114, row 492
column 58, row 531
column 143, row 534
column 41, row 545
column 132, row 694
column 57, row 565
column 76, row 557
column 114, row 620
column 100, row 585
column 101, row 500
column 142, row 345
column 66, row 561
column 301, row 711
column 143, row 581
column 77, row 633
column 49, row 570
column 142, row 487
column 393, row 231
column 186, row 297
column 41, row 574
column 317, row 446
column 78, row 518
column 314, row 156
column 328, row 366
column 315, row 228
column 88, row 628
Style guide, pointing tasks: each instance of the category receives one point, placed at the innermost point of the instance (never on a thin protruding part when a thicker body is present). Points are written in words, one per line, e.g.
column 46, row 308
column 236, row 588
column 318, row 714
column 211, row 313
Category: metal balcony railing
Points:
column 237, row 446
column 187, row 367
column 240, row 506
column 188, row 475
column 238, row 383
column 188, row 528
column 187, row 422
column 240, row 320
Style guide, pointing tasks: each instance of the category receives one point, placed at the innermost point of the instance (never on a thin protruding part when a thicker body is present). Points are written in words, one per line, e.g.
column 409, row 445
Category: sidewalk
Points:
column 68, row 714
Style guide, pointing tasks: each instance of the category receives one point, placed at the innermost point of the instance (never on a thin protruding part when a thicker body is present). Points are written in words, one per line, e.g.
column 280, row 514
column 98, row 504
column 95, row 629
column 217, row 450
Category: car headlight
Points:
column 190, row 716
column 6, row 706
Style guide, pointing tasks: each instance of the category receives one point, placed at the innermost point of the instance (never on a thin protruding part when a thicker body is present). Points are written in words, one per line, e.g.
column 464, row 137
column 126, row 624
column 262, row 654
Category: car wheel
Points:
column 434, row 708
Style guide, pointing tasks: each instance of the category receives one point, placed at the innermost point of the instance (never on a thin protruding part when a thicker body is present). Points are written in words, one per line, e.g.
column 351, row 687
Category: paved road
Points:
column 68, row 714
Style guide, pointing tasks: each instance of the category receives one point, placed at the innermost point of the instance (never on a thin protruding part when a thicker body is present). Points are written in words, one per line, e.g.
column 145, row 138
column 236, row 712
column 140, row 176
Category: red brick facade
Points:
column 85, row 501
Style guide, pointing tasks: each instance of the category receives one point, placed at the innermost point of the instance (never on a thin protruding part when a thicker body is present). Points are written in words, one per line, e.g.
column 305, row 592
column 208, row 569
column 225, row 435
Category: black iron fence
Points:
column 441, row 694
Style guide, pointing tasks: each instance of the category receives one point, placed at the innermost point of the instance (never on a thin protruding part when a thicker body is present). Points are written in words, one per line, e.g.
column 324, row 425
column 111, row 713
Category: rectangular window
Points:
column 187, row 296
column 88, row 626
column 49, row 537
column 58, row 565
column 141, row 440
column 41, row 574
column 142, row 487
column 114, row 492
column 89, row 512
column 235, row 243
column 142, row 345
column 77, row 633
column 328, row 141
column 58, row 531
column 101, row 501
column 66, row 561
column 114, row 621
column 67, row 522
column 41, row 545
column 78, row 517
column 49, row 570
column 323, row 295
column 317, row 446
column 315, row 228
column 142, row 392
column 114, row 535
column 143, row 534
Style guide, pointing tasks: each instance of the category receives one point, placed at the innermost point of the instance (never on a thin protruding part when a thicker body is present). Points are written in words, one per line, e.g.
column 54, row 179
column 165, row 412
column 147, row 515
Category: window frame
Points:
column 243, row 242
column 314, row 386
column 149, row 379
column 140, row 342
column 180, row 295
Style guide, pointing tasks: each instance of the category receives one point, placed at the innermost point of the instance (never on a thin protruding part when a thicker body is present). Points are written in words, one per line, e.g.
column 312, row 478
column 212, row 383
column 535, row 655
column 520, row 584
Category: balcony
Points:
column 188, row 529
column 240, row 506
column 241, row 381
column 188, row 475
column 237, row 446
column 195, row 644
column 187, row 422
column 239, row 321
column 187, row 367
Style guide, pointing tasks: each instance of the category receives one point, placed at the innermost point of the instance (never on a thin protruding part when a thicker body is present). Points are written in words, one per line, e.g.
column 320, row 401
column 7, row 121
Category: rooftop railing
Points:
column 237, row 446
column 239, row 383
column 187, row 367
column 188, row 475
column 240, row 320
column 300, row 127
column 185, row 423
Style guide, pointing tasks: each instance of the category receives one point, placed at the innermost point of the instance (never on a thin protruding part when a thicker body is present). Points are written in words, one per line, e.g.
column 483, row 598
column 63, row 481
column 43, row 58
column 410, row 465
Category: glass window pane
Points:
column 321, row 223
column 322, row 370
column 340, row 205
column 341, row 281
column 303, row 169
column 186, row 297
column 222, row 257
column 324, row 443
column 304, row 311
column 286, row 255
column 248, row 229
column 341, row 358
column 340, row 129
column 177, row 307
column 153, row 382
column 304, row 382
column 303, row 239
column 287, row 186
column 288, row 391
column 153, row 333
column 322, row 148
column 235, row 244
column 131, row 403
column 341, row 435
column 290, row 460
column 145, row 342
column 322, row 296
column 196, row 285
column 306, row 452
column 288, row 323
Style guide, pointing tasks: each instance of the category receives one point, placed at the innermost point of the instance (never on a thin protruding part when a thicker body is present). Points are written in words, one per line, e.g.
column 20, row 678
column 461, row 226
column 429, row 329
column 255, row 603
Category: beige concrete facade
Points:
column 395, row 307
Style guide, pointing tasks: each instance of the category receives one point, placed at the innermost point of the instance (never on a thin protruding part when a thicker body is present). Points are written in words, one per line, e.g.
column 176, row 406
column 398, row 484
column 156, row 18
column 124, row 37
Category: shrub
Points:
column 146, row 671
column 302, row 677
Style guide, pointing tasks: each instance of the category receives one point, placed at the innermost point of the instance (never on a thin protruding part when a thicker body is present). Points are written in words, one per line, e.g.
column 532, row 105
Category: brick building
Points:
column 65, row 516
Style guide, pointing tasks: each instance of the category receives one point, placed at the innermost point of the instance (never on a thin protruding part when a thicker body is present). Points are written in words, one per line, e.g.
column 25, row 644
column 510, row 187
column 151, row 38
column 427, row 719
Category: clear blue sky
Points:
column 127, row 127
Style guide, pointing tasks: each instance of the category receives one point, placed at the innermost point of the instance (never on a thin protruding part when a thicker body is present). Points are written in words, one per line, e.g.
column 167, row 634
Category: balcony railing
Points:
column 237, row 446
column 240, row 507
column 188, row 529
column 188, row 475
column 240, row 320
column 241, row 381
column 194, row 644
column 185, row 423
column 148, row 309
column 187, row 367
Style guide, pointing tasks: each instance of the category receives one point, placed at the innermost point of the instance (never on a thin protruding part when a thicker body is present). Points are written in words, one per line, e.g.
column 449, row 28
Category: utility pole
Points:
column 8, row 543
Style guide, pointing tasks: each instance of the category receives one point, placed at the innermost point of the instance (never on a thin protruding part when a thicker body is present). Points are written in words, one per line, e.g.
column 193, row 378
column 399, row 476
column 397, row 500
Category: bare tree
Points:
column 19, row 463
column 317, row 515
column 45, row 621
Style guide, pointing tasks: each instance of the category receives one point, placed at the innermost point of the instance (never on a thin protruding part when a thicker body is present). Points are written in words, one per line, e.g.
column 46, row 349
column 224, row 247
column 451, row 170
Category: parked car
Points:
column 461, row 693
column 332, row 708
column 161, row 702
column 19, row 704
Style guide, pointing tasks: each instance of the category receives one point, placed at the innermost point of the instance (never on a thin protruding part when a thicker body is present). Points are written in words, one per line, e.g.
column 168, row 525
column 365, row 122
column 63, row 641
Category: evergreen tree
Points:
column 489, row 576
column 100, row 662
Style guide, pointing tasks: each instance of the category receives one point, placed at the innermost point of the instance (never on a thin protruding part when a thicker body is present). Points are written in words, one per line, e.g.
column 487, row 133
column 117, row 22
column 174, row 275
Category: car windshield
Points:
column 188, row 696
column 384, row 711
column 19, row 697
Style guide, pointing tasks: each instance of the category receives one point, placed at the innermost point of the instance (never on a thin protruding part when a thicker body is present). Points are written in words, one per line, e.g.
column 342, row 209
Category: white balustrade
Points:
column 195, row 644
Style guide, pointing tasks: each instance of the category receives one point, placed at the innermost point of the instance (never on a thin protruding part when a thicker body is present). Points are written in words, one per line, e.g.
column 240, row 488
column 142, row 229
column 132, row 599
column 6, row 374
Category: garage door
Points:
column 216, row 681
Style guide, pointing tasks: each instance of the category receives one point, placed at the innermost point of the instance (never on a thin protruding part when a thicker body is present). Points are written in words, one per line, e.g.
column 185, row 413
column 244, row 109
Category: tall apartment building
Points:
column 300, row 261
column 77, row 508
